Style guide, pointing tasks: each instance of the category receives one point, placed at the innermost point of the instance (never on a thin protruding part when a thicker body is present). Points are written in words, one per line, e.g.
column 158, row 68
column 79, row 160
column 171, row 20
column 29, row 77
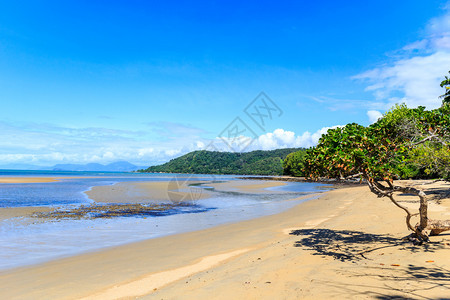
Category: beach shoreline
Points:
column 264, row 258
column 121, row 213
column 22, row 179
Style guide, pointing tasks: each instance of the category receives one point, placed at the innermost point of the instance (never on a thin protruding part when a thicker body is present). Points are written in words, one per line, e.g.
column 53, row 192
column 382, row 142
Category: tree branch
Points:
column 433, row 136
column 353, row 176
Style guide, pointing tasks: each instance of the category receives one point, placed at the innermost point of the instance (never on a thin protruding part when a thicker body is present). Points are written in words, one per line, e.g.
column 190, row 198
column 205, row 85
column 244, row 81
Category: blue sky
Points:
column 144, row 81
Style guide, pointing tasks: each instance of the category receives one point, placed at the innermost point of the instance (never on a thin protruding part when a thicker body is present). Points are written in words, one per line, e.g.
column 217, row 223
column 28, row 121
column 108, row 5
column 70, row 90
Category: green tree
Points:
column 446, row 85
column 427, row 135
column 375, row 152
column 212, row 162
column 294, row 163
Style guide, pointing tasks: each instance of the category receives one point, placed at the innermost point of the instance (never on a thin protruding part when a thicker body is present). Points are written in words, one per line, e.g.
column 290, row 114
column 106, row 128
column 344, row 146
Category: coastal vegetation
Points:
column 294, row 163
column 213, row 162
column 404, row 143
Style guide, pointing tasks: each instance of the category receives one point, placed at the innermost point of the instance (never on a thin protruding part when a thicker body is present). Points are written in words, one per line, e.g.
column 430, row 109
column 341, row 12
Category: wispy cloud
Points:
column 47, row 144
column 414, row 74
column 343, row 104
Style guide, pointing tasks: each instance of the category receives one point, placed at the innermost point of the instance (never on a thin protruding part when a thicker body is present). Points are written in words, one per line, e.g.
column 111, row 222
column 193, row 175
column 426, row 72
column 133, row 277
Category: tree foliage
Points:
column 293, row 165
column 403, row 140
column 426, row 134
column 213, row 162
column 446, row 85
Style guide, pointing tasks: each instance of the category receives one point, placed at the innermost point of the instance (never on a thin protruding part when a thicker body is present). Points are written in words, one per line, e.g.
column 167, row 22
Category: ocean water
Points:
column 25, row 242
column 70, row 190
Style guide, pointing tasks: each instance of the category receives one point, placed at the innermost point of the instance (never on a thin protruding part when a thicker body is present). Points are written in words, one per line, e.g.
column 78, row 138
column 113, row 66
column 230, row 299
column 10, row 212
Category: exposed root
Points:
column 438, row 226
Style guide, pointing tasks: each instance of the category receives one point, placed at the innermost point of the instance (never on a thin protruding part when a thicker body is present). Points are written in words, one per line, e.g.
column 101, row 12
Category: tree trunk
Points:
column 434, row 227
column 423, row 209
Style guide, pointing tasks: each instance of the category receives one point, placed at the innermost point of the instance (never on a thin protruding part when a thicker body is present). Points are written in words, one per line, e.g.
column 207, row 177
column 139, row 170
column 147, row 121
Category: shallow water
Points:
column 24, row 243
column 70, row 190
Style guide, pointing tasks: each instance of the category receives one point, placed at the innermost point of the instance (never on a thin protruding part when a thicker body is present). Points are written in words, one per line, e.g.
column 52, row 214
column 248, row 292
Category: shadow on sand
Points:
column 421, row 280
column 352, row 246
column 347, row 245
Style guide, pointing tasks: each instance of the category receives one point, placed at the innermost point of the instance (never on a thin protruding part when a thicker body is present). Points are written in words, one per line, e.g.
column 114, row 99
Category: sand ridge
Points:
column 27, row 179
column 151, row 191
column 148, row 191
column 246, row 186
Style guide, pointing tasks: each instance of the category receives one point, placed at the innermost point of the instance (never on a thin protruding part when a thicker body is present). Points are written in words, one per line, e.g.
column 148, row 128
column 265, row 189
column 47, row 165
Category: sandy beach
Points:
column 345, row 244
column 246, row 186
column 144, row 192
column 27, row 179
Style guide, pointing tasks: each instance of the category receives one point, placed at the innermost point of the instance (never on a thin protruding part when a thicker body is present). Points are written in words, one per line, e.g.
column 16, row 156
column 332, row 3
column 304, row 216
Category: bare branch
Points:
column 353, row 176
column 433, row 136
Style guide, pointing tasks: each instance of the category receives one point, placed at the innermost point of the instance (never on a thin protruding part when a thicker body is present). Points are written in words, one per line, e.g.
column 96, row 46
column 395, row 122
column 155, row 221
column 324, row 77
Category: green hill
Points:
column 211, row 162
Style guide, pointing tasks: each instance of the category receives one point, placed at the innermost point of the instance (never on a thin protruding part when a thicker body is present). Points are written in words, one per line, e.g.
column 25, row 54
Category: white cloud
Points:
column 172, row 152
column 101, row 145
column 414, row 77
column 47, row 144
column 374, row 115
column 308, row 139
column 145, row 151
column 281, row 138
column 278, row 139
column 417, row 45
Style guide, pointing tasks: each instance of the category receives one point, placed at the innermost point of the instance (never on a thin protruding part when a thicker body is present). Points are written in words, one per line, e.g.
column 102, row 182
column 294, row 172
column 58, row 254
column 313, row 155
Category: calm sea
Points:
column 25, row 242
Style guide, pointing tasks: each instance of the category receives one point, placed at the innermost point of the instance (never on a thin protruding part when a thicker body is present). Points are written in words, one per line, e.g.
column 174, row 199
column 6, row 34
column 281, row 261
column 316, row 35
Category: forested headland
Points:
column 213, row 162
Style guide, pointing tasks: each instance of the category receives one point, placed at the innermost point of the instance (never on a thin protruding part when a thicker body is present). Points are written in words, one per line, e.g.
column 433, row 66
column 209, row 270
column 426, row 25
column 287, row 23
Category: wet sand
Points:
column 346, row 244
column 27, row 179
column 16, row 212
column 144, row 192
column 246, row 186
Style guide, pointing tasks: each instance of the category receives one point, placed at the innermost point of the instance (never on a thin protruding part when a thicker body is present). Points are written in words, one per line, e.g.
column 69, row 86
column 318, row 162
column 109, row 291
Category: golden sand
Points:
column 344, row 245
column 27, row 179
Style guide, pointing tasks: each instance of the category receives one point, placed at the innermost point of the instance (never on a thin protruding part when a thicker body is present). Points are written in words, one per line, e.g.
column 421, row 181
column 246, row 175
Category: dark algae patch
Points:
column 97, row 211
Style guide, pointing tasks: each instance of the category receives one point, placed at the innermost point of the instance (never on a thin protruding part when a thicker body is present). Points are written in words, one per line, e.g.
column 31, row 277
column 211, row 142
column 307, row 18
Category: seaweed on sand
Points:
column 96, row 211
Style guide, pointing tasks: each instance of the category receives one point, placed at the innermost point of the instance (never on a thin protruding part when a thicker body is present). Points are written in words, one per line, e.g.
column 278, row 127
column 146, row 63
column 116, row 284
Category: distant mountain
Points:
column 213, row 162
column 120, row 166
